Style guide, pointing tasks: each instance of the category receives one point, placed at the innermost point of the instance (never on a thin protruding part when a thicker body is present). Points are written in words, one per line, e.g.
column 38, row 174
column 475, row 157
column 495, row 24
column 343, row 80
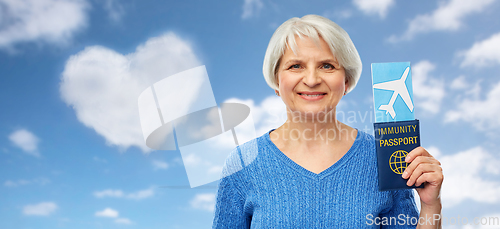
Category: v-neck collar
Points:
column 305, row 172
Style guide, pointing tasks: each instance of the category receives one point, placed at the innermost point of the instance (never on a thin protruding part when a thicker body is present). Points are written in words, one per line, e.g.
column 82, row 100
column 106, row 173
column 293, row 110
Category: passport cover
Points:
column 394, row 140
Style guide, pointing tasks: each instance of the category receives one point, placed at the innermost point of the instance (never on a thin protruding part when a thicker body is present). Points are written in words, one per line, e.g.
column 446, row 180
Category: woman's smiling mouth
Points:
column 312, row 95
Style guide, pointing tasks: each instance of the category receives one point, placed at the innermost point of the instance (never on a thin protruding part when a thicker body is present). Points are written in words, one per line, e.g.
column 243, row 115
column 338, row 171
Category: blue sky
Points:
column 71, row 151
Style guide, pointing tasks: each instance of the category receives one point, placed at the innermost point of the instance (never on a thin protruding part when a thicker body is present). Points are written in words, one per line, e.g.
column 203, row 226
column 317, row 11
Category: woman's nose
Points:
column 311, row 78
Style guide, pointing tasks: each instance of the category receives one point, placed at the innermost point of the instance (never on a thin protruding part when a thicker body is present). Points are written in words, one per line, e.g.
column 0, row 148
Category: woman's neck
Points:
column 311, row 131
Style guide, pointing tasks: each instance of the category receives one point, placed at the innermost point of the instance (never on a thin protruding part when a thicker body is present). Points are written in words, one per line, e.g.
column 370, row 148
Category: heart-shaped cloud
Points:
column 102, row 86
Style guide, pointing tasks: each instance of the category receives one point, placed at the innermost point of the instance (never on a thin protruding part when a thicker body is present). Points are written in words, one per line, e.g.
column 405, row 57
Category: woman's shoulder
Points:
column 364, row 135
column 363, row 149
column 367, row 141
column 243, row 155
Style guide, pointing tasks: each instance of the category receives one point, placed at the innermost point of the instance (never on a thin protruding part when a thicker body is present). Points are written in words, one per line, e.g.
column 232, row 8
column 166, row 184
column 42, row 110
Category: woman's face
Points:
column 311, row 81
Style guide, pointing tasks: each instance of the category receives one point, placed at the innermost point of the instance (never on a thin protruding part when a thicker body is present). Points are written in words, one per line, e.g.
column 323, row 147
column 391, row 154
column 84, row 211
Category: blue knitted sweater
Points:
column 263, row 188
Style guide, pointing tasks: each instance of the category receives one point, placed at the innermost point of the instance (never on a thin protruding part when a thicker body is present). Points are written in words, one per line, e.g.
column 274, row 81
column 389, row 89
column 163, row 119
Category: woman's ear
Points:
column 346, row 86
column 277, row 92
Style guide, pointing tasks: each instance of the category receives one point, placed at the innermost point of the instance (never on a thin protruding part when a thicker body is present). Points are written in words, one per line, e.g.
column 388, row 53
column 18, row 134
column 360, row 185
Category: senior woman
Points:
column 314, row 171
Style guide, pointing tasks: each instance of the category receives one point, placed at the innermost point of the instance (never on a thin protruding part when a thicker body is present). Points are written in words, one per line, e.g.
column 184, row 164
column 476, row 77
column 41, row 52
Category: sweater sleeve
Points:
column 404, row 210
column 230, row 201
column 229, row 208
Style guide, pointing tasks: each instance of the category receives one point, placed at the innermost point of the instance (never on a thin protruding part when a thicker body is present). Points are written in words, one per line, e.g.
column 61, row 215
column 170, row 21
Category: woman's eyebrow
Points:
column 292, row 61
column 329, row 61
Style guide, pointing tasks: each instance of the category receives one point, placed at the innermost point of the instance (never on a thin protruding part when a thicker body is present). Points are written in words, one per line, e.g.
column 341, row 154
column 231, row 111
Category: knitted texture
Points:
column 263, row 188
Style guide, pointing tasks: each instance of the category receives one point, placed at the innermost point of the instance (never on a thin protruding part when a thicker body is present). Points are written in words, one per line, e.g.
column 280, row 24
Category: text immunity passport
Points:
column 396, row 129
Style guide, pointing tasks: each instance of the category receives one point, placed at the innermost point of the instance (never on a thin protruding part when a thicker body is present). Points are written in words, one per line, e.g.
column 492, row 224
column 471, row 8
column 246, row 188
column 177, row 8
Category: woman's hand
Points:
column 425, row 168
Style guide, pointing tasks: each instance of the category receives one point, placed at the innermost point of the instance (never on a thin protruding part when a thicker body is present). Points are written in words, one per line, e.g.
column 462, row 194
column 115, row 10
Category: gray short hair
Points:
column 312, row 26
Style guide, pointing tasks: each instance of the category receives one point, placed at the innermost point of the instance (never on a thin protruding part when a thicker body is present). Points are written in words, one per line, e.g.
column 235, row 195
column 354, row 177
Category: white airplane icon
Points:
column 399, row 88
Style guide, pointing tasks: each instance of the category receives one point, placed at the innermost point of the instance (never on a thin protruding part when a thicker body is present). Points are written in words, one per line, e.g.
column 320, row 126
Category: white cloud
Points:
column 103, row 86
column 157, row 164
column 108, row 212
column 459, row 83
column 98, row 159
column 177, row 160
column 466, row 88
column 10, row 183
column 215, row 170
column 112, row 213
column 138, row 195
column 41, row 209
column 40, row 181
column 270, row 114
column 192, row 159
column 481, row 113
column 427, row 90
column 448, row 16
column 25, row 140
column 53, row 21
column 377, row 7
column 142, row 194
column 115, row 9
column 251, row 7
column 465, row 174
column 205, row 201
column 483, row 53
column 109, row 193
column 123, row 221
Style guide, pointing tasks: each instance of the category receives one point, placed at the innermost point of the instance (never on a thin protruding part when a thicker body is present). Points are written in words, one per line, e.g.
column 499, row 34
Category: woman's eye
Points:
column 295, row 66
column 328, row 66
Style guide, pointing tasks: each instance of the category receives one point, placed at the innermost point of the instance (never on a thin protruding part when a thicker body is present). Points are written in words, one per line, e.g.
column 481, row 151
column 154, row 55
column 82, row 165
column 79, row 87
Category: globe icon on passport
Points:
column 397, row 161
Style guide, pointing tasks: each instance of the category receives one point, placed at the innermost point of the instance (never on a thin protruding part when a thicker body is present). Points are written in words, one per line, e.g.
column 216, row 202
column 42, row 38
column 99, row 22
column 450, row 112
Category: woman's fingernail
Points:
column 405, row 174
